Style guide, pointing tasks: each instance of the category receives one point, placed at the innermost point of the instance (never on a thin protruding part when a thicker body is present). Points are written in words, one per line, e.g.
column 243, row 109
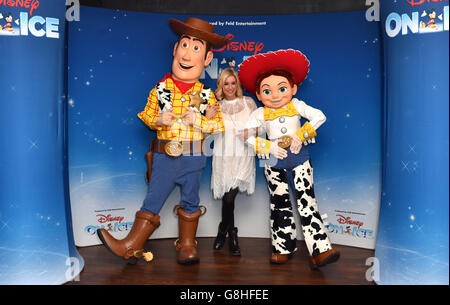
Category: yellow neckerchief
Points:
column 271, row 114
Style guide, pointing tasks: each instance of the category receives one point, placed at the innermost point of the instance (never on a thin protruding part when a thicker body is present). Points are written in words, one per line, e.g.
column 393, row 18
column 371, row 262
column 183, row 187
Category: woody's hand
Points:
column 189, row 116
column 166, row 119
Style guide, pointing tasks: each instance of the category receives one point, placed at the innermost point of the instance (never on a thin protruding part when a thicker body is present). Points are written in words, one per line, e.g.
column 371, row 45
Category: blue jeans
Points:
column 167, row 173
column 291, row 161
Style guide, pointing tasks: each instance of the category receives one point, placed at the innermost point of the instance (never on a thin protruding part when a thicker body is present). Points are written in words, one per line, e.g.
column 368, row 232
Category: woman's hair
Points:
column 221, row 80
column 277, row 72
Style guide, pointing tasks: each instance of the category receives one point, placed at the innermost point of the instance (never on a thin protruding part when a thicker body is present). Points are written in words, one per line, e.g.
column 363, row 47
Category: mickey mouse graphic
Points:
column 9, row 20
column 431, row 23
column 432, row 17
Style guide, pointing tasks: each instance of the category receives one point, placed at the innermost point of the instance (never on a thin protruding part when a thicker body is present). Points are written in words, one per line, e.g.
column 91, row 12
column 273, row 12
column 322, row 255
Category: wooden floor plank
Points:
column 220, row 268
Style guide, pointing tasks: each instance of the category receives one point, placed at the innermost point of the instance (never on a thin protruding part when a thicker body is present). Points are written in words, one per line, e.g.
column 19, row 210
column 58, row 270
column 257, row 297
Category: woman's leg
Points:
column 228, row 209
column 228, row 212
column 227, row 222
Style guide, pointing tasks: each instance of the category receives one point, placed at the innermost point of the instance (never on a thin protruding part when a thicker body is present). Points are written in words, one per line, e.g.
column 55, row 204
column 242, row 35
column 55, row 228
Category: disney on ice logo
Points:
column 420, row 2
column 218, row 62
column 431, row 20
column 24, row 23
column 109, row 223
column 348, row 220
column 235, row 46
column 350, row 227
column 108, row 218
column 32, row 5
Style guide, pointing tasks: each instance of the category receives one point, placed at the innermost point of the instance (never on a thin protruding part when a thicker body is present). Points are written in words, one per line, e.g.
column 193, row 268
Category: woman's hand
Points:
column 243, row 134
column 212, row 110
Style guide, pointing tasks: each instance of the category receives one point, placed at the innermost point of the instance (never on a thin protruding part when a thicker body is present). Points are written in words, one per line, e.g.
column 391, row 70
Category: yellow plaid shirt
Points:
column 180, row 131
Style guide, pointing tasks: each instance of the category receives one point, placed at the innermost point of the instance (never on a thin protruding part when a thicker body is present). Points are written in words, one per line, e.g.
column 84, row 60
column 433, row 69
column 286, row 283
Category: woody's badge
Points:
column 284, row 142
column 196, row 100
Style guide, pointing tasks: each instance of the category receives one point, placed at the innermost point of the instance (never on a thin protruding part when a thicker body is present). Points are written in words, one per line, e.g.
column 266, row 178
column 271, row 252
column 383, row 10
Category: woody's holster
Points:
column 149, row 158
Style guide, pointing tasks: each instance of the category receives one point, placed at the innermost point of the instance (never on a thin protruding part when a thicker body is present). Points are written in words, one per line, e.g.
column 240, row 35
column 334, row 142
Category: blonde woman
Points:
column 233, row 165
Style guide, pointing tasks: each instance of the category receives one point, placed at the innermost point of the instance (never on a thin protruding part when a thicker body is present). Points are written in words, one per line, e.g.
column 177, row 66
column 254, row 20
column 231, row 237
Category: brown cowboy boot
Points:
column 131, row 247
column 277, row 258
column 186, row 245
column 324, row 258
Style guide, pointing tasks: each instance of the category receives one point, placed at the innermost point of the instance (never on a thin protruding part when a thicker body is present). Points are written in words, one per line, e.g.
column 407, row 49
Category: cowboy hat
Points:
column 291, row 60
column 198, row 28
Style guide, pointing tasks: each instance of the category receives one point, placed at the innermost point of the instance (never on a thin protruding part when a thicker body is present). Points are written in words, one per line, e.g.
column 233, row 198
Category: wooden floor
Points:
column 220, row 268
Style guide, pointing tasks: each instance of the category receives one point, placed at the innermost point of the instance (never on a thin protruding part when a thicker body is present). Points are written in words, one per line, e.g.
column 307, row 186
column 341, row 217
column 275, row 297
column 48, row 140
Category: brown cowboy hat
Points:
column 198, row 28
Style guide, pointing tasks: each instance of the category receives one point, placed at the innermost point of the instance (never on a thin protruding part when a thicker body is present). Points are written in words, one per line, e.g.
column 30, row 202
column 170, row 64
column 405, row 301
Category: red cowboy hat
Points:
column 198, row 28
column 291, row 60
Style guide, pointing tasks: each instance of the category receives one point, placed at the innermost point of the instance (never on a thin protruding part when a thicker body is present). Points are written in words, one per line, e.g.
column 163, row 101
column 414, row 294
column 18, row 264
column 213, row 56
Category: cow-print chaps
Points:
column 282, row 222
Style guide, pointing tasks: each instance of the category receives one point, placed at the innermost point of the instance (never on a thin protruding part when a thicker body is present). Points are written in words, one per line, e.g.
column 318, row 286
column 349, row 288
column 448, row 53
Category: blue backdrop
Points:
column 412, row 244
column 36, row 236
column 116, row 58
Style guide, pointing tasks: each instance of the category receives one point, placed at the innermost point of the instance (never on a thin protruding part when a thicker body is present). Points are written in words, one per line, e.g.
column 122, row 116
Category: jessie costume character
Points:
column 274, row 77
column 176, row 109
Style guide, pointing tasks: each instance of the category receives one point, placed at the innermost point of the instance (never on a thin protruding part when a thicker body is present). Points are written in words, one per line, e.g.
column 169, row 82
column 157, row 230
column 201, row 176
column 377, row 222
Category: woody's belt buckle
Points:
column 174, row 148
column 285, row 141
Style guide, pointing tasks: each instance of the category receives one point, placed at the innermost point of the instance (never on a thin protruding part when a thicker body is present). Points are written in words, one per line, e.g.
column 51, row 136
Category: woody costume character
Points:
column 176, row 109
column 274, row 78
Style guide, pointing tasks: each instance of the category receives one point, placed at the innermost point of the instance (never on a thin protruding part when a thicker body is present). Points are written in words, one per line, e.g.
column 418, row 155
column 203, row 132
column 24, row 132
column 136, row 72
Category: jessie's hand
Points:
column 277, row 151
column 296, row 144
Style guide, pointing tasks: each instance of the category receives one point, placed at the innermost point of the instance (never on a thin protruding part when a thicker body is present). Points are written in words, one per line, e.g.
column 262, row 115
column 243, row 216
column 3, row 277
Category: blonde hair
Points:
column 221, row 80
